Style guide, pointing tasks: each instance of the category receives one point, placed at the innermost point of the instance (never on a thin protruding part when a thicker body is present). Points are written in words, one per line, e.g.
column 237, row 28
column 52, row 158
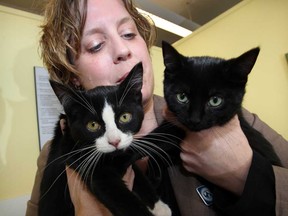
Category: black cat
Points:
column 206, row 91
column 98, row 144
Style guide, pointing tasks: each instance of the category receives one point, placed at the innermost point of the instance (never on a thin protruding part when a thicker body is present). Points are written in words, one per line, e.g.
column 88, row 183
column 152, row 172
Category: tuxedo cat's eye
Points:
column 215, row 101
column 93, row 126
column 125, row 118
column 182, row 98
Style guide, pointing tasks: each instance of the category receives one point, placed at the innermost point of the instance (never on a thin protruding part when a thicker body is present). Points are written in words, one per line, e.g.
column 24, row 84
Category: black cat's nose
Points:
column 114, row 143
column 195, row 121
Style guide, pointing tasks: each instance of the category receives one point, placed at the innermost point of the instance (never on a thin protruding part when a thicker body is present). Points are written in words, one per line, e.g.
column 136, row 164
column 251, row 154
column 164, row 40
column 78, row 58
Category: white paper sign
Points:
column 48, row 106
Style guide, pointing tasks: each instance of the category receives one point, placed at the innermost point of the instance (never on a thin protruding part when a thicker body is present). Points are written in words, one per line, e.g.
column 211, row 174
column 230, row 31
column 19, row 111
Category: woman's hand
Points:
column 85, row 204
column 221, row 154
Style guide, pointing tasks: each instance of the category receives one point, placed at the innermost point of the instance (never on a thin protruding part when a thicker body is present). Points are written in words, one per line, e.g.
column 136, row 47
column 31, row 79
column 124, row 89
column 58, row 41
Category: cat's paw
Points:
column 161, row 209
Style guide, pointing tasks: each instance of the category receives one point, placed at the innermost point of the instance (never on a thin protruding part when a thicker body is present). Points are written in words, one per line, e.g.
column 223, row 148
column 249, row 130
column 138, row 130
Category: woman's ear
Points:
column 76, row 82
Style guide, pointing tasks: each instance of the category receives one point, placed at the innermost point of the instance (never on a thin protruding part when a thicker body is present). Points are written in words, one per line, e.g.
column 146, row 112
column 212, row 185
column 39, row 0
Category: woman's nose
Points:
column 122, row 52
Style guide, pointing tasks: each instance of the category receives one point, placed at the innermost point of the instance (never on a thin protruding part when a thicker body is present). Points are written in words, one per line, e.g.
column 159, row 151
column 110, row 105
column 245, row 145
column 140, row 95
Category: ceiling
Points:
column 190, row 14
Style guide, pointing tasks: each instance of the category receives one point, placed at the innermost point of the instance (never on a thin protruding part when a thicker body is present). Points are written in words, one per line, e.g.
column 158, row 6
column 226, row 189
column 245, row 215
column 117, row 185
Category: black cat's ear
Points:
column 60, row 90
column 241, row 66
column 172, row 58
column 133, row 82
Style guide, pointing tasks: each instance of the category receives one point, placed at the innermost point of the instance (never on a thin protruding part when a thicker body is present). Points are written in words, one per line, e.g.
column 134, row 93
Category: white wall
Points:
column 14, row 207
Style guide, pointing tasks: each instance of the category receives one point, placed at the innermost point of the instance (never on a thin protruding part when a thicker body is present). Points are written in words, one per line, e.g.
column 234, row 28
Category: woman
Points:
column 97, row 42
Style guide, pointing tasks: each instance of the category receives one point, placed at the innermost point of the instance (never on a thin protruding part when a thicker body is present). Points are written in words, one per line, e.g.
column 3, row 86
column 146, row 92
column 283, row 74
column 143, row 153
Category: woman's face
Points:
column 111, row 45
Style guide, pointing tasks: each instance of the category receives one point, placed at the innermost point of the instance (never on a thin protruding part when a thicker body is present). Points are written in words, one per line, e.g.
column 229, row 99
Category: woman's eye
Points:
column 125, row 118
column 215, row 101
column 95, row 48
column 93, row 126
column 182, row 98
column 129, row 36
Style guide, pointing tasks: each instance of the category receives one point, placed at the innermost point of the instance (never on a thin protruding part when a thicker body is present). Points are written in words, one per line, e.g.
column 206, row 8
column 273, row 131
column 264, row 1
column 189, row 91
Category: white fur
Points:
column 161, row 209
column 112, row 133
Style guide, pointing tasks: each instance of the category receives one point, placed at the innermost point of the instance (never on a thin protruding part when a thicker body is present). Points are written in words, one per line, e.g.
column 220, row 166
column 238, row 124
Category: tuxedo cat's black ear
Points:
column 60, row 90
column 242, row 65
column 172, row 58
column 133, row 82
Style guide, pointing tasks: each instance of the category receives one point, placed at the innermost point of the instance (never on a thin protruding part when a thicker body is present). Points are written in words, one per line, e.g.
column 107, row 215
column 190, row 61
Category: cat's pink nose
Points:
column 114, row 143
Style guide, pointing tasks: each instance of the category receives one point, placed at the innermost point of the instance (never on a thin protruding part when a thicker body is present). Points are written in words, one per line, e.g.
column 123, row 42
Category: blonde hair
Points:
column 62, row 30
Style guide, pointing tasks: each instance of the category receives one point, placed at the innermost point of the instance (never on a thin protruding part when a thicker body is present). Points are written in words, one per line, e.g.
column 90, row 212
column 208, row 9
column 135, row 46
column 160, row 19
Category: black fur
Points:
column 207, row 91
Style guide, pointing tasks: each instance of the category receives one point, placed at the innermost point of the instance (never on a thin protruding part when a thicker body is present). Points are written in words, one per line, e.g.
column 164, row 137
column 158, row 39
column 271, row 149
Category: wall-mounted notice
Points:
column 48, row 106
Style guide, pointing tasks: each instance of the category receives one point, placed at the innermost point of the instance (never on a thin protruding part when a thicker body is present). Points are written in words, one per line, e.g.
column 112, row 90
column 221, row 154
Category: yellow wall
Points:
column 252, row 23
column 158, row 67
column 18, row 125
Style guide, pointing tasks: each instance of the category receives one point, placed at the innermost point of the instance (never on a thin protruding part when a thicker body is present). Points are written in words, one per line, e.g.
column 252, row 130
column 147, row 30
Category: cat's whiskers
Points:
column 79, row 169
column 70, row 154
column 155, row 149
column 94, row 164
column 161, row 137
column 147, row 146
column 62, row 172
column 65, row 158
column 83, row 101
column 150, row 142
column 53, row 183
column 88, row 165
column 125, row 92
column 75, row 172
column 142, row 150
column 128, row 87
column 164, row 136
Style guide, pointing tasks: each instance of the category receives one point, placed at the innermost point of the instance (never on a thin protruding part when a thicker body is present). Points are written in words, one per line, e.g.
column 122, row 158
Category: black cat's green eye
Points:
column 93, row 126
column 182, row 98
column 215, row 101
column 125, row 118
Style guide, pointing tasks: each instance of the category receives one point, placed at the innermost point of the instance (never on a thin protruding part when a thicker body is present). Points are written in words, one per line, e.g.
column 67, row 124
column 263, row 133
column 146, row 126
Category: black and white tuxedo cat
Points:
column 99, row 144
